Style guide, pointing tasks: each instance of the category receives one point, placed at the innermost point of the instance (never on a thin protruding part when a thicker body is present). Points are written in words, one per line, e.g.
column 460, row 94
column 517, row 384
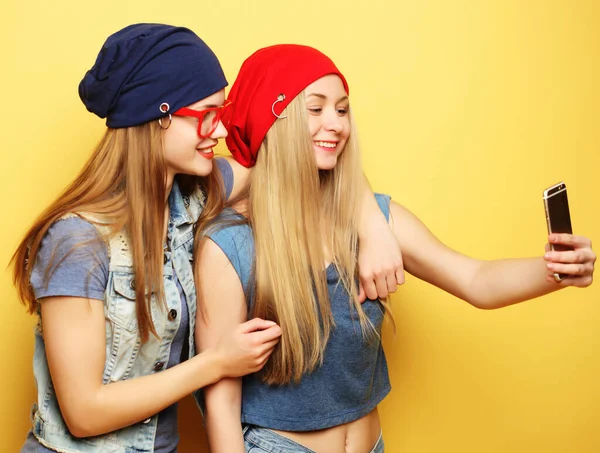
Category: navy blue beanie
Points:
column 144, row 65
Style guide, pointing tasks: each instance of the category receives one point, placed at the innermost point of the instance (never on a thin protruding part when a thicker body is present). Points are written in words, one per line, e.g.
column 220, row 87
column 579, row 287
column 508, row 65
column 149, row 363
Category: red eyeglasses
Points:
column 208, row 119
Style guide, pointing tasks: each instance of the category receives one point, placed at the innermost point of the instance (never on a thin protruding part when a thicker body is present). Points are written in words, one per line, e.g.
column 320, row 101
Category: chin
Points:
column 202, row 170
column 327, row 164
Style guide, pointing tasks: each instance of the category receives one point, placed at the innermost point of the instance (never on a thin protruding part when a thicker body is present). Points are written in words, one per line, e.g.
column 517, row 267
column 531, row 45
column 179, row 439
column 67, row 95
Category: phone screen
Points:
column 557, row 210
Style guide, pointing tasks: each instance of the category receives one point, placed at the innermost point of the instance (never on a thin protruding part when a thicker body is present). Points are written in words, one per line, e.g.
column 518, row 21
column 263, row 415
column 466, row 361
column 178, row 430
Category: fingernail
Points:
column 547, row 255
column 271, row 323
column 550, row 266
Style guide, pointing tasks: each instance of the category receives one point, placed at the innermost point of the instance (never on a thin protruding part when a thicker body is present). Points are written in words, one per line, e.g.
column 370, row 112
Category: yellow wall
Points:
column 467, row 111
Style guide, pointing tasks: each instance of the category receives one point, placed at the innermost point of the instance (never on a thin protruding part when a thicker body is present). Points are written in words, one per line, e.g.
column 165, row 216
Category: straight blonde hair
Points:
column 296, row 212
column 124, row 181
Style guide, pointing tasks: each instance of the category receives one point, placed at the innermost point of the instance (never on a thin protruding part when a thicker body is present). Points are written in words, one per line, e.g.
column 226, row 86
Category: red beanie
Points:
column 282, row 69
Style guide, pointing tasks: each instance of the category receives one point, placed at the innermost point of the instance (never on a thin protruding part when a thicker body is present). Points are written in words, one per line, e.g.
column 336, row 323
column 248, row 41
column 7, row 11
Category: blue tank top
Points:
column 353, row 378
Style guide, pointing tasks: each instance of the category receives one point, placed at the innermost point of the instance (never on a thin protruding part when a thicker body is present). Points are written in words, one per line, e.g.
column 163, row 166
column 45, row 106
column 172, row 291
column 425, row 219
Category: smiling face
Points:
column 187, row 153
column 328, row 122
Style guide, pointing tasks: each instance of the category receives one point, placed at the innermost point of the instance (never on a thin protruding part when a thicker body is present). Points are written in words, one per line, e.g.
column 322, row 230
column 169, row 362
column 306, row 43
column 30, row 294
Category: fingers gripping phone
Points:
column 558, row 217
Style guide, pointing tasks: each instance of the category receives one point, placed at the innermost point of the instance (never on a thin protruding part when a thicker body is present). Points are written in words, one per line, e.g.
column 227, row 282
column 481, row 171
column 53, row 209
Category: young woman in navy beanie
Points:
column 291, row 257
column 107, row 267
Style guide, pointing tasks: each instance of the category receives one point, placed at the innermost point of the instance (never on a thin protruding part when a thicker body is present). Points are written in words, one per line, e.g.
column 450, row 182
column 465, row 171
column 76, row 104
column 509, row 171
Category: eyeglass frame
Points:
column 200, row 114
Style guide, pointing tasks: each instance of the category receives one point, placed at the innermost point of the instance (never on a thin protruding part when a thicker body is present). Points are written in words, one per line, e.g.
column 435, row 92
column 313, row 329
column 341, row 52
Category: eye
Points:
column 315, row 110
column 342, row 111
column 209, row 117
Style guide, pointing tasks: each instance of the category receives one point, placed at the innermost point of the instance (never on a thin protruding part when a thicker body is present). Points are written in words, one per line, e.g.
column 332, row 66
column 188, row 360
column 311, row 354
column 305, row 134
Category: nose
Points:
column 220, row 131
column 332, row 121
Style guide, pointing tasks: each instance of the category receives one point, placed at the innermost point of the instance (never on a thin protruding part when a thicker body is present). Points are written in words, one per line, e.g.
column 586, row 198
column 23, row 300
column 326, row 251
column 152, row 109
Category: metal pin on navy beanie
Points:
column 144, row 65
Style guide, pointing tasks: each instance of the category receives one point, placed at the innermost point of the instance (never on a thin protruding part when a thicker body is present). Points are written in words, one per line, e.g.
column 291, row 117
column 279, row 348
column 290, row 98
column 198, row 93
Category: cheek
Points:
column 168, row 140
column 178, row 137
column 346, row 129
column 313, row 125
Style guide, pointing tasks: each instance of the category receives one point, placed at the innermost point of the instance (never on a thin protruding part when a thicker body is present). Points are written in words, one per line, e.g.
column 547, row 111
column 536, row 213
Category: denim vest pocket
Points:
column 121, row 304
column 123, row 341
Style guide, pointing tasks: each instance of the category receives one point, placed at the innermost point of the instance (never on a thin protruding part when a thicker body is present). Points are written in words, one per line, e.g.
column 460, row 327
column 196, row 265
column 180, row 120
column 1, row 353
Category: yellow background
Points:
column 467, row 110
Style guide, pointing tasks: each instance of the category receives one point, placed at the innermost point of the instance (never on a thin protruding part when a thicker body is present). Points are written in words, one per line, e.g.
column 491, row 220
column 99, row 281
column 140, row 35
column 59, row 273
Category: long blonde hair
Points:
column 296, row 212
column 124, row 181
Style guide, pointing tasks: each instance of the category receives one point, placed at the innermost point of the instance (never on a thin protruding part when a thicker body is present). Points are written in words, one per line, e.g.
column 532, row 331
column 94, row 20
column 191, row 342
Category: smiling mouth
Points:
column 207, row 153
column 329, row 146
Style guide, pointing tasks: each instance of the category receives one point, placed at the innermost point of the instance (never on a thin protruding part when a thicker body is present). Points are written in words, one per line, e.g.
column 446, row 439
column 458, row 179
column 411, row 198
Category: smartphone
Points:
column 558, row 217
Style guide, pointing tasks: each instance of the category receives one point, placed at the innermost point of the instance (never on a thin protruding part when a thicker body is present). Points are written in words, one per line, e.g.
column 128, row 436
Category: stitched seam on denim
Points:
column 44, row 443
column 257, row 445
column 276, row 441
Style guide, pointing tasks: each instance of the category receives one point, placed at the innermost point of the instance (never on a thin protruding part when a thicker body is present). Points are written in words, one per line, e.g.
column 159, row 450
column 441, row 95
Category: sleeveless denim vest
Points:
column 126, row 357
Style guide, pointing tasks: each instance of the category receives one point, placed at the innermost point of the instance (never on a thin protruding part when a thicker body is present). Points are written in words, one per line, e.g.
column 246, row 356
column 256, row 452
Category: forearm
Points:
column 223, row 417
column 114, row 406
column 500, row 283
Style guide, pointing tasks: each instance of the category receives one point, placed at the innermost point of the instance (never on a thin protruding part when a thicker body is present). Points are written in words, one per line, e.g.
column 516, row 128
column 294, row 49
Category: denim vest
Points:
column 126, row 357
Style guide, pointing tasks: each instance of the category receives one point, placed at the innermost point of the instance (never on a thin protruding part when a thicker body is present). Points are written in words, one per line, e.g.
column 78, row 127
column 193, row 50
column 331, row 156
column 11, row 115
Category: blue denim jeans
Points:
column 263, row 440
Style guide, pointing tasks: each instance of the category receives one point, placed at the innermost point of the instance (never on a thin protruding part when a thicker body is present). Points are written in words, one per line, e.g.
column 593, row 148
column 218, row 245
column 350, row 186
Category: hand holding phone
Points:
column 558, row 217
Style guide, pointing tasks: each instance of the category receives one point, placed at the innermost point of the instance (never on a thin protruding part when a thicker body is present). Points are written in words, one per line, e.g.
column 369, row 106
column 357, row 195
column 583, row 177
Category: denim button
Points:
column 159, row 366
column 165, row 259
column 147, row 420
column 172, row 315
column 132, row 284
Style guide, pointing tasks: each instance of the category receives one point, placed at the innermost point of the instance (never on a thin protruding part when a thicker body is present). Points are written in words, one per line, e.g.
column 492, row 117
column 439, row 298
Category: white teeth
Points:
column 326, row 144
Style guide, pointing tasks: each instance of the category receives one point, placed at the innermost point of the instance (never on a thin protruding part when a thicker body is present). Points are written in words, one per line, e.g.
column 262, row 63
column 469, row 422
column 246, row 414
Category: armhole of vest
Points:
column 384, row 202
column 221, row 236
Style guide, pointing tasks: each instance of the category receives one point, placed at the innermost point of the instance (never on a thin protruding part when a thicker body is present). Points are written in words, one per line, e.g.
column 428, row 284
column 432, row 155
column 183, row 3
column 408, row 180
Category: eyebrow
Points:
column 322, row 96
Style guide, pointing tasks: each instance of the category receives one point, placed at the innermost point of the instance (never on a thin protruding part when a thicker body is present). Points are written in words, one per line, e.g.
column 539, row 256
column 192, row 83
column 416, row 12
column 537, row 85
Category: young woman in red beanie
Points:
column 286, row 251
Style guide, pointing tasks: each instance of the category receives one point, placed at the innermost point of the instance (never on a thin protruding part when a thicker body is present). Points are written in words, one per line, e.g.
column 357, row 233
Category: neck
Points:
column 168, row 186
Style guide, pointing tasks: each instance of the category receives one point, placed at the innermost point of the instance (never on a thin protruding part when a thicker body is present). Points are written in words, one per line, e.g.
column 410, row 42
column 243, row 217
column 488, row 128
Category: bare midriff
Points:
column 359, row 436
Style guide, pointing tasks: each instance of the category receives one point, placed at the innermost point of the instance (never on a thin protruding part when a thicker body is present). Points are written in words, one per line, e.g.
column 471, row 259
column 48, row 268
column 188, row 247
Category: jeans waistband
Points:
column 273, row 442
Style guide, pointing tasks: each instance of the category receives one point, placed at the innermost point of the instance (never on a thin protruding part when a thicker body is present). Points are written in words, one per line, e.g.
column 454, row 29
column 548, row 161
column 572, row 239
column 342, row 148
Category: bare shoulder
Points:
column 403, row 221
column 208, row 252
column 397, row 210
column 212, row 265
column 218, row 284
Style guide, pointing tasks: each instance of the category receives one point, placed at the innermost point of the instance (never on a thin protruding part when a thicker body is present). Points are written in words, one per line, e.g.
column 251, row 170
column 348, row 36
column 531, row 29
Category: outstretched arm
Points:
column 489, row 284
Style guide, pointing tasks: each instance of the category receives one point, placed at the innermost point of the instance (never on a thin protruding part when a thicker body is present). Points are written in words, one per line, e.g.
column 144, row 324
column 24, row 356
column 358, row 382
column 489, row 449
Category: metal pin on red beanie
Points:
column 280, row 98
